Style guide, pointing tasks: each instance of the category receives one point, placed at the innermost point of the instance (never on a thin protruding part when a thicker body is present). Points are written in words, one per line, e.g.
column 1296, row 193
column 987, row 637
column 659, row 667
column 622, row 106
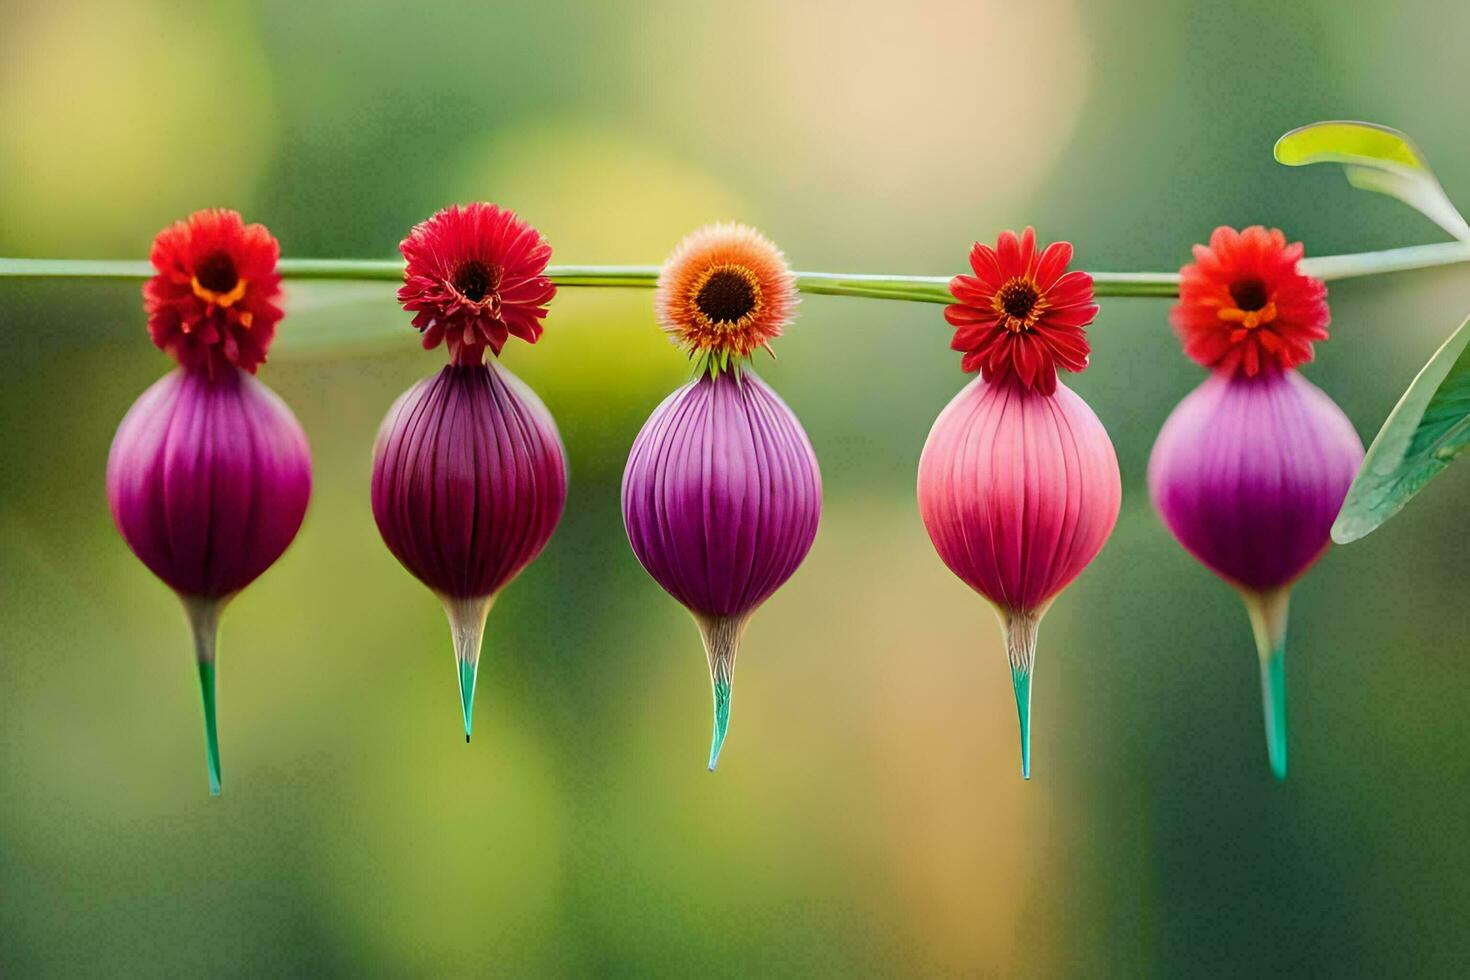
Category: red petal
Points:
column 968, row 289
column 960, row 315
column 1024, row 356
column 1008, row 255
column 1052, row 264
column 1071, row 316
column 986, row 265
column 1072, row 289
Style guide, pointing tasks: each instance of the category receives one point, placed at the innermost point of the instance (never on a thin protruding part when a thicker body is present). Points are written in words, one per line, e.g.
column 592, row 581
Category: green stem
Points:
column 1357, row 264
column 1020, row 629
column 916, row 289
column 1268, row 611
column 203, row 616
column 721, row 643
column 467, row 628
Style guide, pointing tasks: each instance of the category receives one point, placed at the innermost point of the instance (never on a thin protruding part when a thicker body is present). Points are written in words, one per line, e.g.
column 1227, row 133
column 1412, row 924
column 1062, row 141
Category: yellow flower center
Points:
column 1253, row 306
column 216, row 281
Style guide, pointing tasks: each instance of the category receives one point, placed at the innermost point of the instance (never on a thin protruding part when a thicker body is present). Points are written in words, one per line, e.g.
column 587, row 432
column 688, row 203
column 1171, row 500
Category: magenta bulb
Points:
column 210, row 474
column 1251, row 468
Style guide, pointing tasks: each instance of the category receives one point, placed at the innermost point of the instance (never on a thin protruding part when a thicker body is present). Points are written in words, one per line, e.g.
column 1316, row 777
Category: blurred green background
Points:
column 868, row 816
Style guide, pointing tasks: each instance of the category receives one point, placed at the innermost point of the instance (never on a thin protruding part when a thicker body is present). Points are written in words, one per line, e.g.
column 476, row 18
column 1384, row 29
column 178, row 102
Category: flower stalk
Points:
column 203, row 617
column 722, row 493
column 1018, row 483
column 469, row 473
column 914, row 289
column 1251, row 468
column 1268, row 614
column 209, row 475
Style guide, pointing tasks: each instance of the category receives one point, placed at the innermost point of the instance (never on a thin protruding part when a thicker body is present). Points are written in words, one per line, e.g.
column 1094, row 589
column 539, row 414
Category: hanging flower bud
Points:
column 1018, row 482
column 1253, row 465
column 210, row 474
column 469, row 473
column 722, row 494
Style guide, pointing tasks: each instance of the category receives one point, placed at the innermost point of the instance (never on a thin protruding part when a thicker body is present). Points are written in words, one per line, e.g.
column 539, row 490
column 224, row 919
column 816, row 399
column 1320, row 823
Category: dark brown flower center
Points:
column 475, row 280
column 1017, row 298
column 726, row 296
column 216, row 273
column 1250, row 295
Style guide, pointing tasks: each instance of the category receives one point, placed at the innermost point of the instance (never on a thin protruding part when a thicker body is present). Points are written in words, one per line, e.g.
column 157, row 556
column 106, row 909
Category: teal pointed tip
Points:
column 467, row 674
column 211, row 731
column 1021, row 682
column 721, row 635
column 1273, row 701
column 722, row 722
column 203, row 616
column 1268, row 613
column 467, row 628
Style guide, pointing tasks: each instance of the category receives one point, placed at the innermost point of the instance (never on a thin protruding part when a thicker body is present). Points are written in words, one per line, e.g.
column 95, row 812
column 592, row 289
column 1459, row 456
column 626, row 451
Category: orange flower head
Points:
column 725, row 291
column 1244, row 305
column 214, row 300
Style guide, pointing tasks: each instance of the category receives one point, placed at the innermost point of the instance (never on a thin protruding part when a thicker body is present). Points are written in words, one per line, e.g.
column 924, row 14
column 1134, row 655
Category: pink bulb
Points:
column 1019, row 490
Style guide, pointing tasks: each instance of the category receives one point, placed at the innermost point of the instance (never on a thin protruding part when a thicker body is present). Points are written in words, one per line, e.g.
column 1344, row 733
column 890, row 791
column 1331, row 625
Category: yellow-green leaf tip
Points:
column 1348, row 142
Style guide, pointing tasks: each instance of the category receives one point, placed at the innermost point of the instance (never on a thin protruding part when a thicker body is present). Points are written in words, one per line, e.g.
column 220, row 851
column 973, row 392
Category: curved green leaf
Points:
column 1427, row 429
column 1375, row 158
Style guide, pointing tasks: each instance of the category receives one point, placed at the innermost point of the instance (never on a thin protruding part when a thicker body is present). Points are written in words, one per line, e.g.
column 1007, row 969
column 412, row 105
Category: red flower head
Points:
column 474, row 277
column 1243, row 303
column 725, row 290
column 213, row 301
column 1022, row 314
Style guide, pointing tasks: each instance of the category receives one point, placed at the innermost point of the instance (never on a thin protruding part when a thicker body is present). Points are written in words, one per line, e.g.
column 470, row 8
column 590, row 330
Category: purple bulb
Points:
column 1249, row 474
column 469, row 481
column 209, row 474
column 1252, row 467
column 208, row 480
column 721, row 499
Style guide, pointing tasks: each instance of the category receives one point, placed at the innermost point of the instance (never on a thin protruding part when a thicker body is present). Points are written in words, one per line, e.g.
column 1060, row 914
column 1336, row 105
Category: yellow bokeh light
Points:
column 599, row 197
column 938, row 109
column 119, row 116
